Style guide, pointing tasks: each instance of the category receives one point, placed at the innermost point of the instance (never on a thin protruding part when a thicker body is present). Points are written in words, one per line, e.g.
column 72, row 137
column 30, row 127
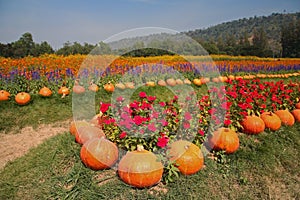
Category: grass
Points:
column 265, row 167
column 42, row 110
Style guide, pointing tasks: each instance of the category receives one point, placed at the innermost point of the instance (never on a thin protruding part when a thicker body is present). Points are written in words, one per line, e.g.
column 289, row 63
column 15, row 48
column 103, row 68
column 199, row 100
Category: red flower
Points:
column 162, row 104
column 227, row 122
column 187, row 116
column 151, row 98
column 226, row 105
column 162, row 141
column 104, row 107
column 122, row 135
column 143, row 95
column 201, row 132
column 138, row 120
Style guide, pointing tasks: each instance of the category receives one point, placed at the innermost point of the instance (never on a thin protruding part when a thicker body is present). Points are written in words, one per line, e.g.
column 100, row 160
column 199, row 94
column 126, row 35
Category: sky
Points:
column 91, row 21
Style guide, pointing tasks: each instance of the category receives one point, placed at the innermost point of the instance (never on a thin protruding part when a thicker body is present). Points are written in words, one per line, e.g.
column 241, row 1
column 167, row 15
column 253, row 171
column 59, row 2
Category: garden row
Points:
column 147, row 140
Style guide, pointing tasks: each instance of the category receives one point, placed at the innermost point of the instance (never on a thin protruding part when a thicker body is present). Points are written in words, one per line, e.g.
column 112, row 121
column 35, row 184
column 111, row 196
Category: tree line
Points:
column 257, row 44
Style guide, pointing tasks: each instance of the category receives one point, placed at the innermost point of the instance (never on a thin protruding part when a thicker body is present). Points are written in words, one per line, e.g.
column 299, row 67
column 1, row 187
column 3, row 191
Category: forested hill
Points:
column 271, row 24
column 277, row 35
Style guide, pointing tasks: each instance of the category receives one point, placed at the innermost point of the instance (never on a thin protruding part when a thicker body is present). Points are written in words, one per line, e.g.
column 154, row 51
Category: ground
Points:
column 14, row 145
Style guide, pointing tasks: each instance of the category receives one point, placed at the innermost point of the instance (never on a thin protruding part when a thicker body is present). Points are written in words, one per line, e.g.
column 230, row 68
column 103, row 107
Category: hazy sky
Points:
column 58, row 21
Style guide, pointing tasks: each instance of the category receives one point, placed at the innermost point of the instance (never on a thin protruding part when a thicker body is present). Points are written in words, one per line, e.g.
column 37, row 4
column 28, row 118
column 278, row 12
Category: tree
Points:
column 23, row 46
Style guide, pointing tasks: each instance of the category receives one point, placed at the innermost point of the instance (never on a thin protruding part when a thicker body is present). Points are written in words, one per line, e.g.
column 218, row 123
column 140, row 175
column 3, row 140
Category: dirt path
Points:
column 13, row 146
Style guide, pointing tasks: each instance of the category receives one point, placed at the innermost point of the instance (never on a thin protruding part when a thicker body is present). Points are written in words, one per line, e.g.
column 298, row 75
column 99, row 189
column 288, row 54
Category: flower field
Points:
column 156, row 101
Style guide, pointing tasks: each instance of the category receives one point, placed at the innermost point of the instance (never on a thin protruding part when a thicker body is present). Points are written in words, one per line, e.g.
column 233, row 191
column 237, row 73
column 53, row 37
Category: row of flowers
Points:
column 154, row 123
column 110, row 65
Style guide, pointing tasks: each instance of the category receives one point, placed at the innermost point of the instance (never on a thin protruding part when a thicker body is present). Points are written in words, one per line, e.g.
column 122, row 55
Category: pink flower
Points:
column 152, row 127
column 143, row 95
column 162, row 141
column 186, row 125
column 164, row 122
column 120, row 99
column 187, row 116
column 122, row 135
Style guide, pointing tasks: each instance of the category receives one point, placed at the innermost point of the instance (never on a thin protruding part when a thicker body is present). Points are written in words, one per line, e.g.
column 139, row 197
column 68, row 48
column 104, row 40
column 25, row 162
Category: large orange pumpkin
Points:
column 45, row 92
column 286, row 117
column 187, row 156
column 99, row 153
column 109, row 87
column 140, row 168
column 4, row 95
column 253, row 125
column 224, row 139
column 272, row 121
column 22, row 98
column 86, row 133
column 296, row 114
column 76, row 125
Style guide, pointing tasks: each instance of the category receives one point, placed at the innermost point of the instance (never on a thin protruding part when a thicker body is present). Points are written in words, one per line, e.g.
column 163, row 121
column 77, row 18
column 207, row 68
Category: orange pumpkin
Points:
column 140, row 168
column 161, row 83
column 298, row 105
column 286, row 117
column 187, row 81
column 99, row 153
column 129, row 85
column 296, row 114
column 253, row 125
column 150, row 83
column 171, row 82
column 120, row 86
column 271, row 120
column 215, row 79
column 45, row 92
column 78, row 89
column 224, row 139
column 22, row 98
column 205, row 80
column 197, row 81
column 109, row 87
column 4, row 95
column 64, row 91
column 187, row 156
column 93, row 87
column 231, row 77
column 86, row 133
column 76, row 125
column 179, row 81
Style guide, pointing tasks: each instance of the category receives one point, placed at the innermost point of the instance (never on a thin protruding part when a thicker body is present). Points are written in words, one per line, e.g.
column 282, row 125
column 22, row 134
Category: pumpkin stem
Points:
column 186, row 147
column 140, row 148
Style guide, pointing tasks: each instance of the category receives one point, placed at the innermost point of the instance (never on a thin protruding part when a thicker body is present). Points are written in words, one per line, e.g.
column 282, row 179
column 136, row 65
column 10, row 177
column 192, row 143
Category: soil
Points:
column 13, row 146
